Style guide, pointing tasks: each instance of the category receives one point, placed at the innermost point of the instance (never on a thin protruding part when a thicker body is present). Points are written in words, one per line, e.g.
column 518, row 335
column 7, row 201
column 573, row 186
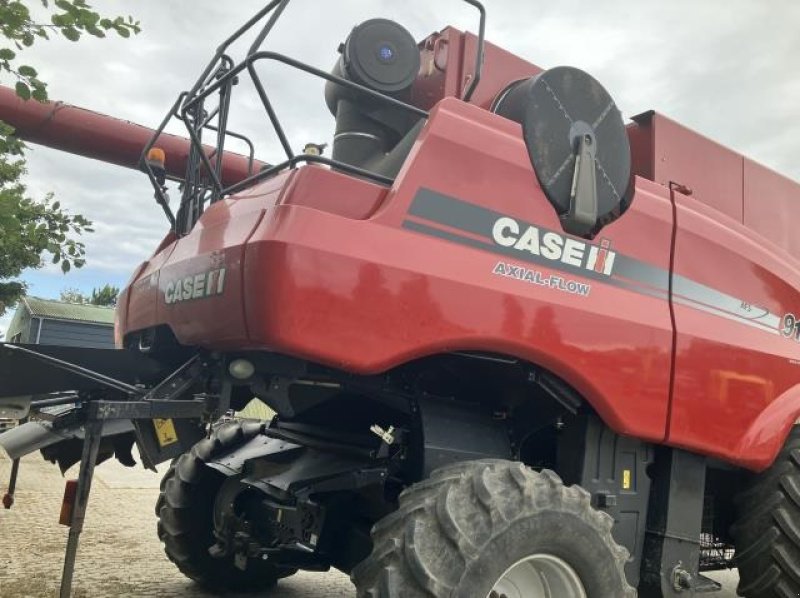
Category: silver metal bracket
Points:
column 386, row 435
column 581, row 218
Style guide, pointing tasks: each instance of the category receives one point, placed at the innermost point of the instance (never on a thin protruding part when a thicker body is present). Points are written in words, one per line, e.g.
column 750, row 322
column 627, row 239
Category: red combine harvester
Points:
column 515, row 347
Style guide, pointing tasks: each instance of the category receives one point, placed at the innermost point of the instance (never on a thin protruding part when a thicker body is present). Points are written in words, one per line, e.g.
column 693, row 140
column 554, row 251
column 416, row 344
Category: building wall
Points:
column 33, row 331
column 19, row 329
column 75, row 334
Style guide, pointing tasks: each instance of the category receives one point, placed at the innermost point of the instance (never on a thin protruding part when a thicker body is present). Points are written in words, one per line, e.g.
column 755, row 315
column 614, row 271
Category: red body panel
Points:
column 736, row 386
column 669, row 152
column 367, row 295
column 735, row 392
column 674, row 335
column 770, row 206
column 217, row 241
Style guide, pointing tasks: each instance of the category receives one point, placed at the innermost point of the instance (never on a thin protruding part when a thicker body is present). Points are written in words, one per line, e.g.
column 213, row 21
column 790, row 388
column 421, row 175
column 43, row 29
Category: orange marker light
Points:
column 156, row 160
column 157, row 157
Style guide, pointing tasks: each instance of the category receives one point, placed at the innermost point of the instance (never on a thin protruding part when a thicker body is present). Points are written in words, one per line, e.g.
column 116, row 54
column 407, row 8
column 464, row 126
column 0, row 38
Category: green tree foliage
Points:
column 68, row 18
column 106, row 295
column 30, row 228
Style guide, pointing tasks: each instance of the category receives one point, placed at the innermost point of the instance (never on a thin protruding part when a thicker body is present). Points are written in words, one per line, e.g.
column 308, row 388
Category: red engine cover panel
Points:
column 464, row 252
column 421, row 277
column 665, row 151
column 735, row 392
column 772, row 206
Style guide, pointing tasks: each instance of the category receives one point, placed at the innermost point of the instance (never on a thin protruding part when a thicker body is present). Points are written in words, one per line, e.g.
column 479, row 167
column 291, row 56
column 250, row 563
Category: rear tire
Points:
column 459, row 532
column 185, row 511
column 767, row 532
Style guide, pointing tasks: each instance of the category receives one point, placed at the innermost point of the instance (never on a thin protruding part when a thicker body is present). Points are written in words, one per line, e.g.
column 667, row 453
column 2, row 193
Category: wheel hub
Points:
column 539, row 576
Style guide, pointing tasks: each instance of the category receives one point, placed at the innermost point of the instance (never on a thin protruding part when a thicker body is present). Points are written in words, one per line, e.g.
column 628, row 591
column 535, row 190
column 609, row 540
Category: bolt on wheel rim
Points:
column 539, row 576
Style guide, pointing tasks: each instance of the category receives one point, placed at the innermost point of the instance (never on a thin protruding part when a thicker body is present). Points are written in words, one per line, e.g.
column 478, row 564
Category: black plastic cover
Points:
column 614, row 470
column 556, row 108
column 381, row 55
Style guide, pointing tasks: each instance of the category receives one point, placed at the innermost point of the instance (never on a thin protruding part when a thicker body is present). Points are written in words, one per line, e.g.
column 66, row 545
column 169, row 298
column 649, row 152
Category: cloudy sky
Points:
column 727, row 68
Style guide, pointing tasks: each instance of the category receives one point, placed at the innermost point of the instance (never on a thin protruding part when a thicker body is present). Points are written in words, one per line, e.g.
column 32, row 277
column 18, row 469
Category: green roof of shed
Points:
column 58, row 310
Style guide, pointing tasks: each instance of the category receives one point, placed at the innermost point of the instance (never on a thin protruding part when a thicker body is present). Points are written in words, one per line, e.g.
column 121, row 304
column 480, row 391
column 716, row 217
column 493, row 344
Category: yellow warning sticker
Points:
column 165, row 432
column 626, row 479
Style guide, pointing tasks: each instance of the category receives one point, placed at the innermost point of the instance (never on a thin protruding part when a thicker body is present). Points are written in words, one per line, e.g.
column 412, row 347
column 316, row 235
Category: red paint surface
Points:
column 770, row 206
column 319, row 267
column 366, row 295
column 345, row 196
column 736, row 387
column 736, row 391
column 666, row 151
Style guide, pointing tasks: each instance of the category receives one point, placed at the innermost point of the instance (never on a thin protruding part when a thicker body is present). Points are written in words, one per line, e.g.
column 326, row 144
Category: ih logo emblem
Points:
column 601, row 259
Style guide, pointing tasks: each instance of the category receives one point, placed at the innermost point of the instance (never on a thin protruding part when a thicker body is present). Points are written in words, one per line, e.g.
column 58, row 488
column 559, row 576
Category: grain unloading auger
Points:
column 515, row 348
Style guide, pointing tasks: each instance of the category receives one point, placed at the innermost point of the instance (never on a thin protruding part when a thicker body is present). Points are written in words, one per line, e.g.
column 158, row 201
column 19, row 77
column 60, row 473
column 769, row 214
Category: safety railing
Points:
column 204, row 182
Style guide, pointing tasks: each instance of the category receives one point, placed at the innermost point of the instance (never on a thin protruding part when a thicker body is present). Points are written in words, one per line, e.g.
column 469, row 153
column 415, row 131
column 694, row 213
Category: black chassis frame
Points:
column 667, row 488
column 203, row 179
column 318, row 512
column 654, row 493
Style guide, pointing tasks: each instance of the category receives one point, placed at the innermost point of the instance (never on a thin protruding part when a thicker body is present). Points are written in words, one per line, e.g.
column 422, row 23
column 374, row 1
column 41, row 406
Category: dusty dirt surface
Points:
column 119, row 554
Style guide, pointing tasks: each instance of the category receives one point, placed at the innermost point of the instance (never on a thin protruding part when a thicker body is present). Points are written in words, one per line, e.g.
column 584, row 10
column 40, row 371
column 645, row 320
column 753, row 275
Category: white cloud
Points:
column 727, row 68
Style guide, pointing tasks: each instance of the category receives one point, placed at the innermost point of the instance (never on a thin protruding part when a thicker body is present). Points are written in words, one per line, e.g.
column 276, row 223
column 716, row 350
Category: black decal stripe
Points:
column 516, row 256
column 509, row 252
column 441, row 209
column 643, row 273
column 643, row 279
column 639, row 277
column 446, row 235
column 486, row 239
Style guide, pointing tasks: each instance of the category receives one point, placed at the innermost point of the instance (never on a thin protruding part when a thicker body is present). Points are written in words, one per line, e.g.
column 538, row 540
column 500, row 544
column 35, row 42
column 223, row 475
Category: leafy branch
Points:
column 70, row 19
column 30, row 228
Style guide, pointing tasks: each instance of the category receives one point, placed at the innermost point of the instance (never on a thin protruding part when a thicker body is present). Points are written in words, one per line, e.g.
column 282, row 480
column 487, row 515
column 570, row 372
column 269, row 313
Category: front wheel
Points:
column 185, row 511
column 494, row 529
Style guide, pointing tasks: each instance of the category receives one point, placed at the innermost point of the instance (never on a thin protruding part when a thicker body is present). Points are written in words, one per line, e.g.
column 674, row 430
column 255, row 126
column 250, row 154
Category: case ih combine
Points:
column 515, row 348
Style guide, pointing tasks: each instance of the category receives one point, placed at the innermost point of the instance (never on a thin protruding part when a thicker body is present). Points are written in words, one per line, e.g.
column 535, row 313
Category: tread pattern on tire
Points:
column 767, row 531
column 462, row 502
column 179, row 527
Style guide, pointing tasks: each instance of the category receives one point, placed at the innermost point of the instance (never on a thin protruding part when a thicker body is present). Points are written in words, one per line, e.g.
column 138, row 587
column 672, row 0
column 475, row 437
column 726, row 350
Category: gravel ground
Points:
column 119, row 553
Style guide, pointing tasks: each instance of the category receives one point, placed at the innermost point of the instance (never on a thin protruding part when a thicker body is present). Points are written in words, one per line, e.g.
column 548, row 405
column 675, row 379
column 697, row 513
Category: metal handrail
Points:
column 220, row 76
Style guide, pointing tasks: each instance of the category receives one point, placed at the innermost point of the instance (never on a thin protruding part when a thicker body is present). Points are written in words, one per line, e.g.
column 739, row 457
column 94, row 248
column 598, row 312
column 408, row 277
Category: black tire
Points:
column 767, row 531
column 456, row 533
column 185, row 510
